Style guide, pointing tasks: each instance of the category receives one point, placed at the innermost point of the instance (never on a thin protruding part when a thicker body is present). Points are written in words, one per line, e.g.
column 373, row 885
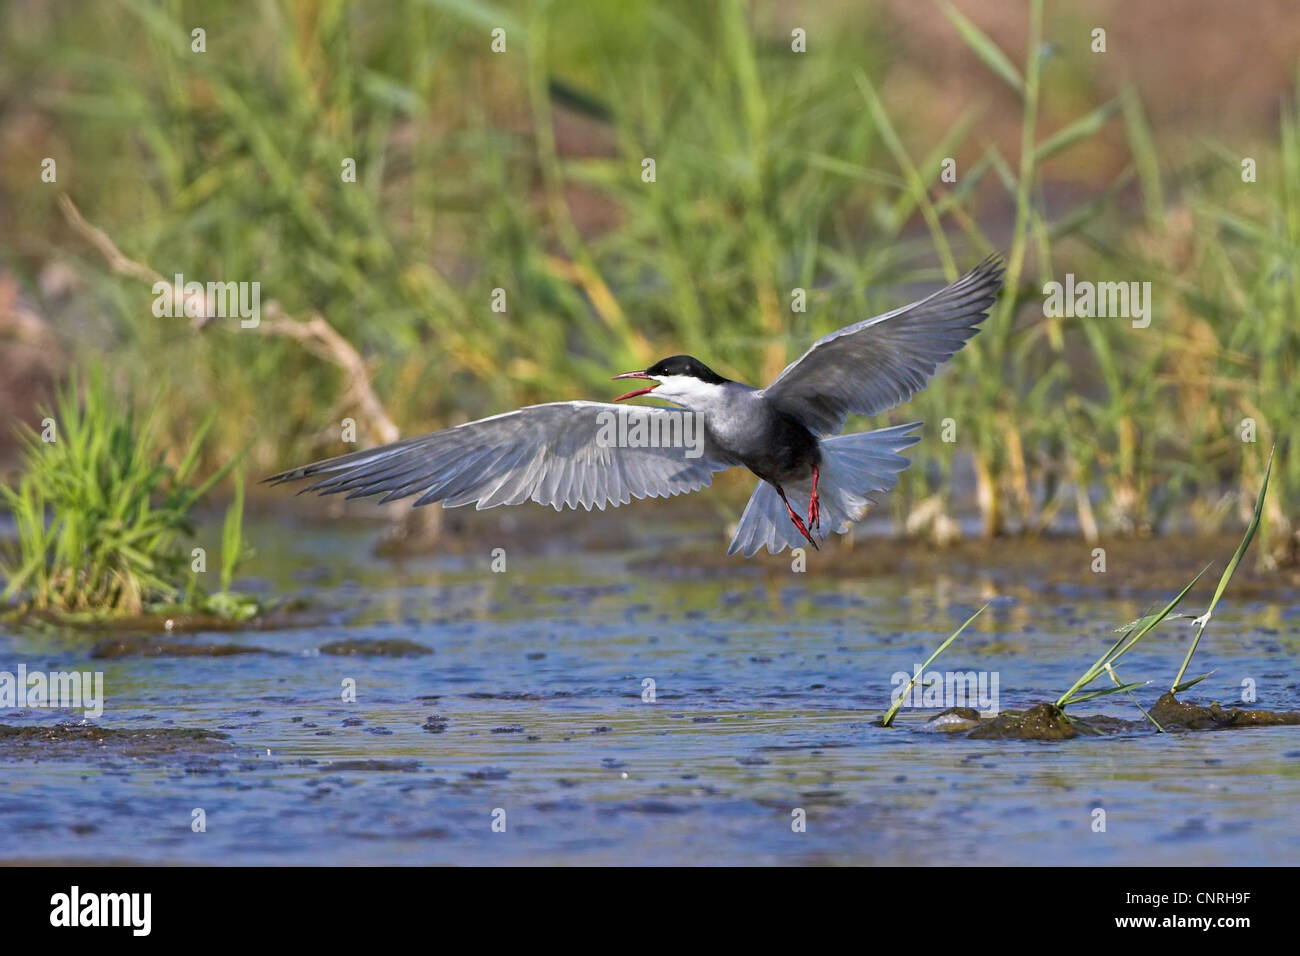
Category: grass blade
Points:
column 990, row 53
column 893, row 711
column 1082, row 128
column 1179, row 688
column 1228, row 571
column 1114, row 676
column 1122, row 688
column 1120, row 648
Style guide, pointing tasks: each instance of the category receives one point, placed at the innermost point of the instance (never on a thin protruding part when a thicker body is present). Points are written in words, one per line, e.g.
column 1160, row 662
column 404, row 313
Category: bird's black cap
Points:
column 685, row 365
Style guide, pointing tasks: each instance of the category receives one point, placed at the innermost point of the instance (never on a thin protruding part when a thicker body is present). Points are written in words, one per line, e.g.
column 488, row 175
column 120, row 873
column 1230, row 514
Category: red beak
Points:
column 640, row 391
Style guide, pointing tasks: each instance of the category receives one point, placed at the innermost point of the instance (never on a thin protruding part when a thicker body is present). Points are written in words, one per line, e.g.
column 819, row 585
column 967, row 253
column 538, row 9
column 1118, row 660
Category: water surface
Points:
column 531, row 702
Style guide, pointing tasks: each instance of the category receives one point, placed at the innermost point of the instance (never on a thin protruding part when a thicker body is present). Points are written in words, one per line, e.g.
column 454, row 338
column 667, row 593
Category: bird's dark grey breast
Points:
column 775, row 446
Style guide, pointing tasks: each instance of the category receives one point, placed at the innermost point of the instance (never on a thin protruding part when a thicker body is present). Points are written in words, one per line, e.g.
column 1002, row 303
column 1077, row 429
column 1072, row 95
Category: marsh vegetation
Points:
column 777, row 171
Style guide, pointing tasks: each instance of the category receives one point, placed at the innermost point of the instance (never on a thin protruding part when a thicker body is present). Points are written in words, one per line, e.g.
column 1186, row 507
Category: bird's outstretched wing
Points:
column 564, row 454
column 882, row 361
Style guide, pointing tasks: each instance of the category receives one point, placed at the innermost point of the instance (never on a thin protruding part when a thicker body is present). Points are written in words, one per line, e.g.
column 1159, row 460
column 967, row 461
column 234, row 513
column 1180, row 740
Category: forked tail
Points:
column 853, row 468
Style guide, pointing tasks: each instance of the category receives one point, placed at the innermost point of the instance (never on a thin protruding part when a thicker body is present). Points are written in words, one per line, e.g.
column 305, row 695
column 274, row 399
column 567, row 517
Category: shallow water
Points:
column 767, row 683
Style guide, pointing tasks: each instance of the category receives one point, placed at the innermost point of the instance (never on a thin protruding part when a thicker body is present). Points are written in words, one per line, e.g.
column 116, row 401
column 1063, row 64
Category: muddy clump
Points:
column 72, row 739
column 175, row 621
column 1041, row 722
column 372, row 766
column 1047, row 722
column 387, row 647
column 1174, row 713
column 148, row 647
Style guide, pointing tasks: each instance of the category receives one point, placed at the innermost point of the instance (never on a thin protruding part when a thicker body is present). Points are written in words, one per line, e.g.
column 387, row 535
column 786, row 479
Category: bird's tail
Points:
column 852, row 468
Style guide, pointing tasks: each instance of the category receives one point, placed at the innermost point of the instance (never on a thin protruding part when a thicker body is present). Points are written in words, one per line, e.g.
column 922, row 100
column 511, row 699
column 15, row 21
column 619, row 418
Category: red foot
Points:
column 814, row 504
column 798, row 522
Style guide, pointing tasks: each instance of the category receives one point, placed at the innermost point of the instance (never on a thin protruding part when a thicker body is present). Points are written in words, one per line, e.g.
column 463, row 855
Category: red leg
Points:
column 814, row 504
column 798, row 522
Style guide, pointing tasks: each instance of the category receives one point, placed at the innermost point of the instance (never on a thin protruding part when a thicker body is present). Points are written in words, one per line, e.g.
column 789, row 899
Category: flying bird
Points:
column 584, row 454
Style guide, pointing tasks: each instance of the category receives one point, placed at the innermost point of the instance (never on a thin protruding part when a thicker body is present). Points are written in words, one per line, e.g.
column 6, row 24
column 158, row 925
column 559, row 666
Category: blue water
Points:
column 767, row 683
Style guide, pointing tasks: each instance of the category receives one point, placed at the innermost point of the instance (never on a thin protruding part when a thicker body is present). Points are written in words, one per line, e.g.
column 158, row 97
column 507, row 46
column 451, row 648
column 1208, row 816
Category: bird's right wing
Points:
column 563, row 454
column 885, row 360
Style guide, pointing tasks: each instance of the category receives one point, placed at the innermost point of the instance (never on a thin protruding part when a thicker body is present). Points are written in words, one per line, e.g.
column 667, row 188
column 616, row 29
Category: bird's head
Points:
column 681, row 379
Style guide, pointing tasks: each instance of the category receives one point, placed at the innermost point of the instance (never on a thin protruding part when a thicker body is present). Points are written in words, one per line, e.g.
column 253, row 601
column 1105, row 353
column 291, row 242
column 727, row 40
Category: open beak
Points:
column 635, row 392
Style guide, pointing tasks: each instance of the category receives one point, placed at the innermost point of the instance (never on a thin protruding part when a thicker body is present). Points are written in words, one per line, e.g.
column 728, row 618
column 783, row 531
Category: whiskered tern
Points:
column 572, row 454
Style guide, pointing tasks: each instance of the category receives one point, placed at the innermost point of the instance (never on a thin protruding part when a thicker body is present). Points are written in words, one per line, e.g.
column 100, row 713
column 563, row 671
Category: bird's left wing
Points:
column 563, row 454
column 885, row 360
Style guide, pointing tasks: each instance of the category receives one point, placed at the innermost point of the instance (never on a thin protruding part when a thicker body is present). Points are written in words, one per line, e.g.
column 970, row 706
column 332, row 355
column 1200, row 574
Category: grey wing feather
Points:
column 883, row 361
column 564, row 454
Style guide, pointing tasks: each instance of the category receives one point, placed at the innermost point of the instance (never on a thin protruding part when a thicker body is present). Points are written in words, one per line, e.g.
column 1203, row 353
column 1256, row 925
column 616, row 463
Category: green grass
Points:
column 1135, row 631
column 102, row 519
column 775, row 171
column 1201, row 622
column 1130, row 634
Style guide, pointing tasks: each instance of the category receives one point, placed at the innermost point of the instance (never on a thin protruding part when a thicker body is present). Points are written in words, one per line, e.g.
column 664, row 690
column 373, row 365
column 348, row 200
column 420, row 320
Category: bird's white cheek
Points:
column 688, row 391
column 678, row 397
column 666, row 392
